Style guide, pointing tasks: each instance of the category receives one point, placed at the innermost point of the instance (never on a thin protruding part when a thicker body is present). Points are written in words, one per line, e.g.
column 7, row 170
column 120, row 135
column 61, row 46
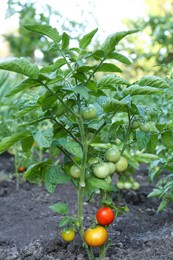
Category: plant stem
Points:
column 102, row 253
column 82, row 187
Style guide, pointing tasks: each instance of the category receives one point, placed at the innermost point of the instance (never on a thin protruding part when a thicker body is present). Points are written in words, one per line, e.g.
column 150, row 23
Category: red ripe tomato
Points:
column 105, row 216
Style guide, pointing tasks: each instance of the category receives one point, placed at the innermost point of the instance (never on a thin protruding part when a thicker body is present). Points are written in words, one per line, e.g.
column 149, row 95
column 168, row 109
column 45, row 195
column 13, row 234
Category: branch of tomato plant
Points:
column 65, row 129
column 127, row 132
column 100, row 129
column 60, row 100
column 64, row 56
column 95, row 70
column 68, row 156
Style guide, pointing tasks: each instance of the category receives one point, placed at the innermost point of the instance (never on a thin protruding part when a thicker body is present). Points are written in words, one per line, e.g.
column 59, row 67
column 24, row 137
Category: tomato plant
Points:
column 68, row 235
column 105, row 216
column 83, row 114
column 96, row 237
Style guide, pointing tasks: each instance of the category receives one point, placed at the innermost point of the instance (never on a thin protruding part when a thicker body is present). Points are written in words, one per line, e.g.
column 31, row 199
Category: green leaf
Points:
column 53, row 177
column 141, row 90
column 92, row 85
column 98, row 54
column 108, row 67
column 82, row 90
column 64, row 221
column 45, row 29
column 167, row 139
column 65, row 40
column 112, row 80
column 151, row 146
column 24, row 85
column 114, row 105
column 71, row 146
column 10, row 140
column 85, row 41
column 35, row 172
column 163, row 205
column 142, row 140
column 114, row 39
column 152, row 81
column 117, row 56
column 99, row 184
column 155, row 193
column 60, row 208
column 44, row 137
column 58, row 64
column 21, row 66
column 27, row 143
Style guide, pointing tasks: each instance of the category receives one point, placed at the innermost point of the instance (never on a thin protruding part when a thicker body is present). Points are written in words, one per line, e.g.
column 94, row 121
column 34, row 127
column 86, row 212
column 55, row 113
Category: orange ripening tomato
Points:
column 96, row 237
column 105, row 216
column 21, row 169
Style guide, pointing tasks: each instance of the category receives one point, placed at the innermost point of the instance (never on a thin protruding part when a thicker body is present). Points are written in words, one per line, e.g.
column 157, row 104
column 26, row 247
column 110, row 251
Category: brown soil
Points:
column 29, row 229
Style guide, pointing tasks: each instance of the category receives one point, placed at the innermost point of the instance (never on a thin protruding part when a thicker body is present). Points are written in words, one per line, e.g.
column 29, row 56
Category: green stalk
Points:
column 102, row 253
column 82, row 188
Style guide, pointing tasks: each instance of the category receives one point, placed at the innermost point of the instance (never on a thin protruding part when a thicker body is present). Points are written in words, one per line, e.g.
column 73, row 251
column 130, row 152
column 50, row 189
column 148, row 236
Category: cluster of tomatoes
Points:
column 97, row 236
column 114, row 162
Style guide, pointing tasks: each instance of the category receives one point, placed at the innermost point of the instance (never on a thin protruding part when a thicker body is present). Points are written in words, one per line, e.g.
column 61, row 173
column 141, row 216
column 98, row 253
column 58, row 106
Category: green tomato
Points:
column 128, row 185
column 89, row 112
column 112, row 155
column 135, row 185
column 135, row 124
column 101, row 170
column 75, row 172
column 108, row 179
column 120, row 185
column 93, row 160
column 68, row 235
column 145, row 127
column 112, row 167
column 122, row 164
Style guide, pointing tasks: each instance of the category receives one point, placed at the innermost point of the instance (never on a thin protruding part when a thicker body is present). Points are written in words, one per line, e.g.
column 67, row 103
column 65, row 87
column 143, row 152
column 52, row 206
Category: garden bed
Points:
column 29, row 229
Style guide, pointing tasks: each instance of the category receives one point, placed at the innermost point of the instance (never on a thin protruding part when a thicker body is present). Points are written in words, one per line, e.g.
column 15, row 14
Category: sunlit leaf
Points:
column 21, row 66
column 45, row 30
column 85, row 41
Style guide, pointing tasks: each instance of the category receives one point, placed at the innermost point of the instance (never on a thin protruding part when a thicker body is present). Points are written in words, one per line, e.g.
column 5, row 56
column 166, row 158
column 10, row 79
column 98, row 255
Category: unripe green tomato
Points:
column 68, row 235
column 120, row 185
column 108, row 179
column 135, row 124
column 112, row 155
column 122, row 164
column 93, row 160
column 101, row 170
column 135, row 185
column 128, row 185
column 75, row 172
column 89, row 112
column 112, row 167
column 145, row 127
